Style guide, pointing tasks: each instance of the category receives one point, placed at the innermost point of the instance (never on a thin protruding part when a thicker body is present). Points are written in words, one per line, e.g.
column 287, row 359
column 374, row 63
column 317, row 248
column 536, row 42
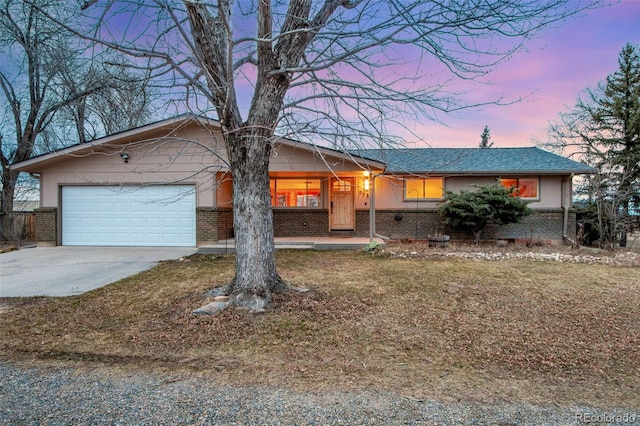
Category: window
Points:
column 420, row 189
column 342, row 186
column 524, row 187
column 295, row 192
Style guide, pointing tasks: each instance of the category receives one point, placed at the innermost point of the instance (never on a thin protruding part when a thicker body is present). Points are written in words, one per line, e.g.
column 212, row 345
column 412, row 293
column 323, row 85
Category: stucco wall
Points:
column 297, row 158
column 189, row 156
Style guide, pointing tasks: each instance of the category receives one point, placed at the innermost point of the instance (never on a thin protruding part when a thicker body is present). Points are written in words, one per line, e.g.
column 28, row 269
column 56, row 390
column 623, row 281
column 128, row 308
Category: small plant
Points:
column 372, row 247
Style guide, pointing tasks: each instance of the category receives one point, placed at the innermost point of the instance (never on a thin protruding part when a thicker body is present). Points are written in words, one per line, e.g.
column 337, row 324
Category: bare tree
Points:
column 49, row 78
column 344, row 71
column 123, row 101
column 29, row 79
column 603, row 129
column 128, row 102
column 25, row 87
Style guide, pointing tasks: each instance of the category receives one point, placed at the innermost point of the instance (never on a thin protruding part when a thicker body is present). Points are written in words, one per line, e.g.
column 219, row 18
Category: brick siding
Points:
column 300, row 222
column 213, row 224
column 46, row 225
column 544, row 225
column 401, row 224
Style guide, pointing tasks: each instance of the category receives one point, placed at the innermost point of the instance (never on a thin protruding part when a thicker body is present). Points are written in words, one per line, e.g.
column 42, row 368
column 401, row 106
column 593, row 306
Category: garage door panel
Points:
column 136, row 222
column 120, row 208
column 160, row 215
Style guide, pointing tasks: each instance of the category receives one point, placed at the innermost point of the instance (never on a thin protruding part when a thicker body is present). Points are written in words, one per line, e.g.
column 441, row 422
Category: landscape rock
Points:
column 211, row 308
column 625, row 259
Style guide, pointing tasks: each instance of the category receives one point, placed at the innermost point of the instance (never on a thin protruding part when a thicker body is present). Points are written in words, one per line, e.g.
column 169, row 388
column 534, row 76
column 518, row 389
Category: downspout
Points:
column 372, row 209
column 566, row 205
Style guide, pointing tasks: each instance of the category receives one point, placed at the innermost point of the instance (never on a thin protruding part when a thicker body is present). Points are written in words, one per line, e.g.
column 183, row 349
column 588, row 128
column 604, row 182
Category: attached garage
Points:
column 144, row 215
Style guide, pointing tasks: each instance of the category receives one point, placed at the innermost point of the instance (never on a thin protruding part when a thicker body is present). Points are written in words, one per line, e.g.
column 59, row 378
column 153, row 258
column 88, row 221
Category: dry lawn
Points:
column 444, row 329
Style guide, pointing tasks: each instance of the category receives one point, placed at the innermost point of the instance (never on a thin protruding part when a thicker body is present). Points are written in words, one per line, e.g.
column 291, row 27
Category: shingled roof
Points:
column 474, row 160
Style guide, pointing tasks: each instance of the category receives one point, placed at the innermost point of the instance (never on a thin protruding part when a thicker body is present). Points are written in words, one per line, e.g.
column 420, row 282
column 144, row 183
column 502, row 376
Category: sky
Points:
column 538, row 83
column 557, row 66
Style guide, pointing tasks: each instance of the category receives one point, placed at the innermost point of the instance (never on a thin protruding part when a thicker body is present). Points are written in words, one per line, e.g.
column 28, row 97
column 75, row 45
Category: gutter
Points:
column 565, row 207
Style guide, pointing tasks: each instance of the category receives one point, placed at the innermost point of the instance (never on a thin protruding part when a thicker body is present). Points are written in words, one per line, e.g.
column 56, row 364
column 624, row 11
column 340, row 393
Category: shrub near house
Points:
column 474, row 209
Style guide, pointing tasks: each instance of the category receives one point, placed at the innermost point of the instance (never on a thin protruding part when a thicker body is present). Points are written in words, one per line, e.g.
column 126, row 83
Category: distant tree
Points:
column 603, row 130
column 485, row 138
column 127, row 103
column 472, row 210
column 123, row 102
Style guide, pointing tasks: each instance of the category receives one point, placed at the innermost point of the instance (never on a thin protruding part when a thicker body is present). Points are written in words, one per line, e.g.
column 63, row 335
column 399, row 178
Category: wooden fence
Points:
column 24, row 225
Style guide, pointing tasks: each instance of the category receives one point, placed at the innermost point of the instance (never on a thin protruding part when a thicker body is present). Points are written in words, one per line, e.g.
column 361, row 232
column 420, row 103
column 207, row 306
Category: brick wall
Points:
column 206, row 224
column 213, row 224
column 46, row 225
column 545, row 225
column 225, row 224
column 300, row 223
column 401, row 224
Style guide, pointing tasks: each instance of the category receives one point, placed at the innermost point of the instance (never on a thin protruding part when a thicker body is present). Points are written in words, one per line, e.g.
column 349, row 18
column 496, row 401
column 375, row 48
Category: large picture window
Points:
column 295, row 192
column 524, row 187
column 423, row 189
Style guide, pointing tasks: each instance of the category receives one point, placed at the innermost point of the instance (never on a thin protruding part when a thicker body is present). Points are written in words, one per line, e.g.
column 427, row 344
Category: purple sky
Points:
column 549, row 76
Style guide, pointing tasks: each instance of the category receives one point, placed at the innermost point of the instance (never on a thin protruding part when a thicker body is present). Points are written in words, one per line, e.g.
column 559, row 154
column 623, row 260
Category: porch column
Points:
column 372, row 208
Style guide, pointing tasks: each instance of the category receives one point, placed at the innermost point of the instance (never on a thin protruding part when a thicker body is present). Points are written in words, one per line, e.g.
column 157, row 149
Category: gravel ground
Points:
column 58, row 396
column 622, row 258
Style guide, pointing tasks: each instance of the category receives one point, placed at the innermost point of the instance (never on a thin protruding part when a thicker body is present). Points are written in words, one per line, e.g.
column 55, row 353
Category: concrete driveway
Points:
column 67, row 271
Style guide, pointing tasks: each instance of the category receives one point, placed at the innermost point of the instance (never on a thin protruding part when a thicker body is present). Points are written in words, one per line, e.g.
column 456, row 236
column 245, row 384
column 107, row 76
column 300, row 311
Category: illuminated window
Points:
column 342, row 186
column 295, row 192
column 524, row 187
column 421, row 189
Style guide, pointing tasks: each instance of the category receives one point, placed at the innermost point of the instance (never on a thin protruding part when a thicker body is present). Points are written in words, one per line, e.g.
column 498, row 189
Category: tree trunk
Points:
column 256, row 276
column 9, row 180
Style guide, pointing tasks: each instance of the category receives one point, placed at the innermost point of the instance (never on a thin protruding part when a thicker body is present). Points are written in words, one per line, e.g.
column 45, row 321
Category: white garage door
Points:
column 158, row 215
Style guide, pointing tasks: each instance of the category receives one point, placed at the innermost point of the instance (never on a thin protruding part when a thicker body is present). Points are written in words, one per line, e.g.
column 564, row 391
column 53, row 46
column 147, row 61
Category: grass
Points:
column 453, row 329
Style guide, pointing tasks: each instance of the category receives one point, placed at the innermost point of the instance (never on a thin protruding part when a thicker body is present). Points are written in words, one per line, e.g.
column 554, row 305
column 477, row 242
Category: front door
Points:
column 342, row 211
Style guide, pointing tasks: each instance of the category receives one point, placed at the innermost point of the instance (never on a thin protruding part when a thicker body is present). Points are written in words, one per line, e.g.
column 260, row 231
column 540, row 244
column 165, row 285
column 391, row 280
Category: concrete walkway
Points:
column 67, row 271
column 297, row 243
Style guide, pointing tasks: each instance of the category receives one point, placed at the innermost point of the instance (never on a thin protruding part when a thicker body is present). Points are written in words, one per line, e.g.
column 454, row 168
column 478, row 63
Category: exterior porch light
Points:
column 366, row 181
column 125, row 157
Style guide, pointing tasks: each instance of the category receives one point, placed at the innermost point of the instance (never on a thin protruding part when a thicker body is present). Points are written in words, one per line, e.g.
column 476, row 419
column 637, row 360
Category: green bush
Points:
column 474, row 209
